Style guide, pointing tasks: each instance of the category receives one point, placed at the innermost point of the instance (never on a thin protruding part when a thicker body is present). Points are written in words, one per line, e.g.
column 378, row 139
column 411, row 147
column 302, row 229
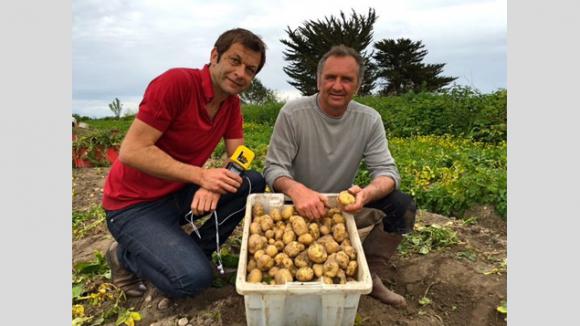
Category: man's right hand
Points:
column 220, row 180
column 308, row 203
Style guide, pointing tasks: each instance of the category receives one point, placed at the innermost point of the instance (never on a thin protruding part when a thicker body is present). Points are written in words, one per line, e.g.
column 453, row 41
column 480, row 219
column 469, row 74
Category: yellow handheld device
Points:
column 240, row 160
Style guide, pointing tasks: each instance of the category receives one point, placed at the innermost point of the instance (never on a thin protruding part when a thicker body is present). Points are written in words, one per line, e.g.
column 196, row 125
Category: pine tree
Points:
column 308, row 43
column 257, row 93
column 399, row 65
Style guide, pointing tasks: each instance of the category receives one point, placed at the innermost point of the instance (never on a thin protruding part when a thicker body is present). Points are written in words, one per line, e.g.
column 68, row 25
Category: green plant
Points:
column 87, row 220
column 424, row 239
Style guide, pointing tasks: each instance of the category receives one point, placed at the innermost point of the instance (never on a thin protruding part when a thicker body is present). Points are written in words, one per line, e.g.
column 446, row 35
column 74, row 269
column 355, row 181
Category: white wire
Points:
column 220, row 266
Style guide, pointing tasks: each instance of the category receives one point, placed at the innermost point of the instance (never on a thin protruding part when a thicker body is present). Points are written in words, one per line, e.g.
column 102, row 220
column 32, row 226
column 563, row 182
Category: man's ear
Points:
column 214, row 56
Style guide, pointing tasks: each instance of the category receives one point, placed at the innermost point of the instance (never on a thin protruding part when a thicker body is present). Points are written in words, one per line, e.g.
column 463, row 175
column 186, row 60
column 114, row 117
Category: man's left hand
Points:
column 360, row 200
column 204, row 201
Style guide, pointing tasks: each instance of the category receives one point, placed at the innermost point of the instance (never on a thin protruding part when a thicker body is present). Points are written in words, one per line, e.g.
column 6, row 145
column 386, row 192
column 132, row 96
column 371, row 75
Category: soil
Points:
column 460, row 290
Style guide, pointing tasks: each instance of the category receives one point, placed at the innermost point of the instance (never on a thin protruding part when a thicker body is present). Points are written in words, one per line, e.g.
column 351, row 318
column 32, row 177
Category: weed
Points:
column 85, row 221
column 427, row 238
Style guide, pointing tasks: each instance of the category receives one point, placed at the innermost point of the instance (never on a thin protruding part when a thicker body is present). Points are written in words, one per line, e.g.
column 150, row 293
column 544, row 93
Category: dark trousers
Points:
column 400, row 210
column 153, row 245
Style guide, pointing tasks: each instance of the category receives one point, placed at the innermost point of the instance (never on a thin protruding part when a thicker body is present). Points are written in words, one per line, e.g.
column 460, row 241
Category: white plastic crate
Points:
column 300, row 303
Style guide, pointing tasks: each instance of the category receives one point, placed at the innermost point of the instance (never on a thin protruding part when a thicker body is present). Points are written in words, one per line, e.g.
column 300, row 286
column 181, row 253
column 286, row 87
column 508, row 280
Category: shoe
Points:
column 122, row 278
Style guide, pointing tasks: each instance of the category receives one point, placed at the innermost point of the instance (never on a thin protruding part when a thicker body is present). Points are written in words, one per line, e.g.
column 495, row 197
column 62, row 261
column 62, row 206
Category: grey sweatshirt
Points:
column 323, row 152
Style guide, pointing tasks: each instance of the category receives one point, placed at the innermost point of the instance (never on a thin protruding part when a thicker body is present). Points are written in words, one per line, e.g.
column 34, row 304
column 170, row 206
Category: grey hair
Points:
column 342, row 51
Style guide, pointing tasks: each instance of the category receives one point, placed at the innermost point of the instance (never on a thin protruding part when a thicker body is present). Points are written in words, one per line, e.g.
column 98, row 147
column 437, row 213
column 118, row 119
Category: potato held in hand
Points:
column 346, row 198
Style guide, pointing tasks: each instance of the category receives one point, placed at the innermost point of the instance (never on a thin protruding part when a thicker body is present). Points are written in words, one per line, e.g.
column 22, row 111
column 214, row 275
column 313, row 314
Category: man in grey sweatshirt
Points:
column 317, row 146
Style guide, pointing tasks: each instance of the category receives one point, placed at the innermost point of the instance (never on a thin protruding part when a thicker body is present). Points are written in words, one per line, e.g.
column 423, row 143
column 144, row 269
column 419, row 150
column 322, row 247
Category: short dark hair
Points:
column 244, row 37
column 342, row 51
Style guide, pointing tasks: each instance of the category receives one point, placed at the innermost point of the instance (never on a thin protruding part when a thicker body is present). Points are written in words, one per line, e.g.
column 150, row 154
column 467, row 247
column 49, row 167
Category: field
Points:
column 452, row 269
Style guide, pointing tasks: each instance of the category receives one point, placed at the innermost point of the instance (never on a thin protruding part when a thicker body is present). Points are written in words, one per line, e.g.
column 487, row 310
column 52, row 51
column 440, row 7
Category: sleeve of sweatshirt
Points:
column 378, row 158
column 281, row 150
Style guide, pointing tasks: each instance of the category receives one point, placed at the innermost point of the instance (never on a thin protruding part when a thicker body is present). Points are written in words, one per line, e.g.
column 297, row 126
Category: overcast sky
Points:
column 119, row 46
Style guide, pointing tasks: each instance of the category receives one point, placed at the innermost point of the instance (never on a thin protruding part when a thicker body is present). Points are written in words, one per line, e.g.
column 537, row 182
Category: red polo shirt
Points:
column 175, row 104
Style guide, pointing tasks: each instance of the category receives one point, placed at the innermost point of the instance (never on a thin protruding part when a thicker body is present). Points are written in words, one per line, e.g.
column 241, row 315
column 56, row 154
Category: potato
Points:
column 352, row 268
column 269, row 234
column 327, row 280
column 271, row 250
column 282, row 276
column 255, row 276
column 288, row 237
column 304, row 274
column 255, row 228
column 314, row 230
column 338, row 219
column 318, row 269
column 332, row 211
column 258, row 209
column 251, row 264
column 299, row 226
column 317, row 253
column 346, row 242
column 287, row 263
column 306, row 239
column 346, row 198
column 278, row 233
column 265, row 262
column 327, row 221
column 275, row 214
column 281, row 225
column 324, row 230
column 288, row 227
column 342, row 259
column 329, row 244
column 287, row 211
column 341, row 277
column 293, row 248
column 255, row 243
column 273, row 271
column 279, row 257
column 330, row 266
column 259, row 254
column 349, row 250
column 279, row 244
column 339, row 232
column 267, row 223
column 302, row 260
column 271, row 241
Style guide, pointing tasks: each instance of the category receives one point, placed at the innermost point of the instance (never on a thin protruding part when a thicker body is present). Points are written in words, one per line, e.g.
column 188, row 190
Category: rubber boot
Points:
column 379, row 246
column 122, row 278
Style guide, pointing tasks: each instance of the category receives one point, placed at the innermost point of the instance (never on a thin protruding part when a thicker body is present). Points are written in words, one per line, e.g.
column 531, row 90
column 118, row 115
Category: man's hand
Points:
column 220, row 180
column 204, row 201
column 361, row 200
column 308, row 203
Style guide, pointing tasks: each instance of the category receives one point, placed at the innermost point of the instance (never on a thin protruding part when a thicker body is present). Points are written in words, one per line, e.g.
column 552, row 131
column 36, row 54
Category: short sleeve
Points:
column 165, row 97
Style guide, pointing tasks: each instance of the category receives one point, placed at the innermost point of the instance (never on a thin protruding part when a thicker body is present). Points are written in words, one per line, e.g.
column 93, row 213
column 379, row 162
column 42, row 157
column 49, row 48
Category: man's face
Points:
column 235, row 69
column 337, row 84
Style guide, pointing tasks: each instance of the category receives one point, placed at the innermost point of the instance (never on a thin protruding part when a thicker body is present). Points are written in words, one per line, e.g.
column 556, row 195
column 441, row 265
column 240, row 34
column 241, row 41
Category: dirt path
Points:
column 465, row 283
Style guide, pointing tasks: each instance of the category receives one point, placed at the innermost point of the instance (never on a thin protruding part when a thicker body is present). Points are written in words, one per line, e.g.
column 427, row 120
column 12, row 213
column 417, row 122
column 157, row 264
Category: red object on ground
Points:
column 112, row 154
column 80, row 160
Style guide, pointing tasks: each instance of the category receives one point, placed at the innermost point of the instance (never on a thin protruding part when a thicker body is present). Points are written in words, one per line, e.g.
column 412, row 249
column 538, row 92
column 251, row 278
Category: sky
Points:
column 119, row 46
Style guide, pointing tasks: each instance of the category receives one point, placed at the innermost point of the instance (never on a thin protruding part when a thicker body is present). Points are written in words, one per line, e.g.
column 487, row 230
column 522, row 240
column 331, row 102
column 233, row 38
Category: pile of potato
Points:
column 285, row 247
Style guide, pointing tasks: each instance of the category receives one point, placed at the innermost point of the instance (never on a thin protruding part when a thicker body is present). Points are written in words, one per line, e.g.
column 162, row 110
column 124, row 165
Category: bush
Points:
column 460, row 111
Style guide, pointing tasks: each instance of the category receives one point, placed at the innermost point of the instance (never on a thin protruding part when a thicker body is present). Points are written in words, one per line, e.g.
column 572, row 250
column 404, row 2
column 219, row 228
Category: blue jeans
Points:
column 153, row 245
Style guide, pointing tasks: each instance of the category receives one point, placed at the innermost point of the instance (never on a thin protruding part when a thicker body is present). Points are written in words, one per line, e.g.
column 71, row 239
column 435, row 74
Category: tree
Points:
column 116, row 107
column 257, row 93
column 399, row 65
column 308, row 43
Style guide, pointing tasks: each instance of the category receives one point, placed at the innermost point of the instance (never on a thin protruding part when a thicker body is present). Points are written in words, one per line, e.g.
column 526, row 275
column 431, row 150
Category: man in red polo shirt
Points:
column 158, row 183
